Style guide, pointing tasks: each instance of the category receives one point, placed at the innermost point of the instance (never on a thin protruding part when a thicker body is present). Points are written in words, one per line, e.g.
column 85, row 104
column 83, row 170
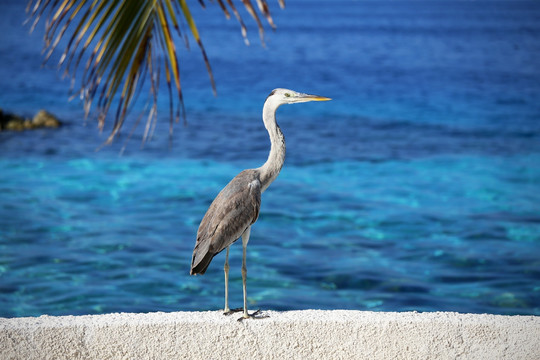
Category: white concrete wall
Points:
column 310, row 334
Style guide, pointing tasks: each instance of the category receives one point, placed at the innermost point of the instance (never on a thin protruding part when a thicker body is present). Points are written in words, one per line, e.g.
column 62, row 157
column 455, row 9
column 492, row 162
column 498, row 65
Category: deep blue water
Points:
column 416, row 188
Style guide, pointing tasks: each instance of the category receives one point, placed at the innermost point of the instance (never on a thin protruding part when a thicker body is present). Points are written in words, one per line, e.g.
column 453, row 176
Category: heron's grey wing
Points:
column 234, row 209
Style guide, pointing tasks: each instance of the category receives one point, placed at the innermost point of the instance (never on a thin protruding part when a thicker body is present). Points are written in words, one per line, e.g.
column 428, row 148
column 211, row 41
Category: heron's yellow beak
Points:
column 308, row 97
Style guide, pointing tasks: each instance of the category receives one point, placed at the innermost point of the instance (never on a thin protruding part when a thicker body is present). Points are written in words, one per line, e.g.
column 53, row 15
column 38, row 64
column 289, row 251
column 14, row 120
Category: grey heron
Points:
column 236, row 207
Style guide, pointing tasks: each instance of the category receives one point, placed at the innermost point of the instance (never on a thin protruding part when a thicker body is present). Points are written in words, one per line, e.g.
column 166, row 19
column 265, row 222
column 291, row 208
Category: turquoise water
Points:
column 416, row 188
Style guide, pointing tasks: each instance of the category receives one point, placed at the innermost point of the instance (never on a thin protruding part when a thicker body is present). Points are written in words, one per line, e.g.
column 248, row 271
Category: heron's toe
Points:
column 232, row 311
column 256, row 315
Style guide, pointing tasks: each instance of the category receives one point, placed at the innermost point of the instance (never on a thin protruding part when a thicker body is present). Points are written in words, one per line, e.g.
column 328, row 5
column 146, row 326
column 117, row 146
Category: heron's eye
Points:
column 287, row 95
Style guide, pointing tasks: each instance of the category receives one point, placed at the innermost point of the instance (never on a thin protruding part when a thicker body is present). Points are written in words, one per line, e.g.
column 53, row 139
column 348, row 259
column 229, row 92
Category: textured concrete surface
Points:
column 309, row 334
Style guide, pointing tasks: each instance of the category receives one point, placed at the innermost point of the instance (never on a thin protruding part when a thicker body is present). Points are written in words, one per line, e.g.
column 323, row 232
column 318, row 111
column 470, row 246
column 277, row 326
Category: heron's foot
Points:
column 232, row 311
column 256, row 315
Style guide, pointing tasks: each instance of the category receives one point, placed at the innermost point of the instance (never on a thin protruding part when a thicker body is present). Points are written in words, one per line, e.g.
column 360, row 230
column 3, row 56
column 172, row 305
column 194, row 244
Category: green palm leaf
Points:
column 121, row 42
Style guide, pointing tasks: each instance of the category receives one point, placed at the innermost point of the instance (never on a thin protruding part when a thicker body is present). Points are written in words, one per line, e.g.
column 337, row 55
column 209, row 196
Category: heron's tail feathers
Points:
column 200, row 264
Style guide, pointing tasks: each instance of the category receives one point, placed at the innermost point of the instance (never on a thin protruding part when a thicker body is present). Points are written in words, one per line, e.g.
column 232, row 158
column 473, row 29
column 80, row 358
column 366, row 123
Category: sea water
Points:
column 416, row 188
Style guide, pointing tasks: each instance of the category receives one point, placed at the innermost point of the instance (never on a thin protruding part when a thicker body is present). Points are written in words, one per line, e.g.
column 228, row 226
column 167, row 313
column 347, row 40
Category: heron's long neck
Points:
column 271, row 168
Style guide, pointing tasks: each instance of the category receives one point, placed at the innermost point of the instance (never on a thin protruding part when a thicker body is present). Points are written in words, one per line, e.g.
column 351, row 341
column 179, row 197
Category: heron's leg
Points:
column 245, row 240
column 256, row 314
column 227, row 310
column 226, row 270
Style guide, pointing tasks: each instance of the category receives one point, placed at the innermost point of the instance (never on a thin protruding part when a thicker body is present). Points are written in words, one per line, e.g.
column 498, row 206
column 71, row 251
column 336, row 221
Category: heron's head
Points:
column 285, row 96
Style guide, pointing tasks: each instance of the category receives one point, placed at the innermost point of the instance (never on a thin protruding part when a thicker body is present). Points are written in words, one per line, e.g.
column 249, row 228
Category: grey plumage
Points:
column 234, row 210
column 237, row 206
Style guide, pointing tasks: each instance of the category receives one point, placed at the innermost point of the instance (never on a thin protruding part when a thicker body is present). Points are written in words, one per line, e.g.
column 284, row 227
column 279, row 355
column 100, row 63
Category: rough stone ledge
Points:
column 307, row 334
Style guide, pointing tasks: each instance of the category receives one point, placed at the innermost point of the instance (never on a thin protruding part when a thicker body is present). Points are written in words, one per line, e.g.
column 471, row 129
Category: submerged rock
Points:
column 43, row 119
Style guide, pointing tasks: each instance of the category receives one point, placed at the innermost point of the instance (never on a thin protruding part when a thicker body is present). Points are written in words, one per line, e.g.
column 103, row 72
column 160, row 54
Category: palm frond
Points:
column 121, row 43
